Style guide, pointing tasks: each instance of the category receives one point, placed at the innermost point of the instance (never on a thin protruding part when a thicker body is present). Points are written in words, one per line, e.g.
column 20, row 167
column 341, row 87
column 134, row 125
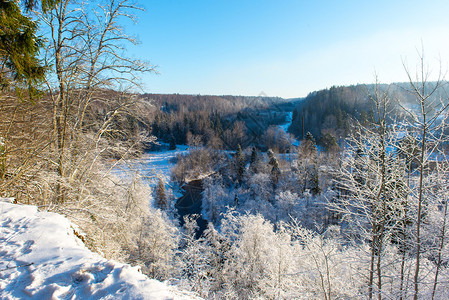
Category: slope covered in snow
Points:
column 41, row 258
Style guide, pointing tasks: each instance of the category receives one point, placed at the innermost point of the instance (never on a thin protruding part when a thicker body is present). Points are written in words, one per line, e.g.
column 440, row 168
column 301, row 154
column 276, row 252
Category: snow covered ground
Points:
column 41, row 258
column 151, row 166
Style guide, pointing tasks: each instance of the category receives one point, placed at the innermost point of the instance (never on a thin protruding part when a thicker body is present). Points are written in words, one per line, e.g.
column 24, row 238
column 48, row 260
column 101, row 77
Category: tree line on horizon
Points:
column 332, row 111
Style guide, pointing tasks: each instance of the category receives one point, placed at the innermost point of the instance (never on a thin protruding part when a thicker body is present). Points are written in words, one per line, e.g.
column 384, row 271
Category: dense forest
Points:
column 332, row 111
column 216, row 121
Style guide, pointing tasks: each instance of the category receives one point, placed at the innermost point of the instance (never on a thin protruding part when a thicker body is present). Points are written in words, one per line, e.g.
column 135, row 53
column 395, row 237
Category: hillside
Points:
column 333, row 110
column 41, row 258
column 216, row 121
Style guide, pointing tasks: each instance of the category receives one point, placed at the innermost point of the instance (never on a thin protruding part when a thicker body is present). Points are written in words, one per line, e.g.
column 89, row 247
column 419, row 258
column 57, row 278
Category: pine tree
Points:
column 19, row 46
column 218, row 126
column 329, row 143
column 275, row 170
column 309, row 144
column 236, row 199
column 160, row 195
column 314, row 181
column 253, row 160
column 240, row 164
column 172, row 145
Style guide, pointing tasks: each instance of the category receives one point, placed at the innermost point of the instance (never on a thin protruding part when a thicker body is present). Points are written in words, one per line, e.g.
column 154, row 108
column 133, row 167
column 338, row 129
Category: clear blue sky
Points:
column 285, row 48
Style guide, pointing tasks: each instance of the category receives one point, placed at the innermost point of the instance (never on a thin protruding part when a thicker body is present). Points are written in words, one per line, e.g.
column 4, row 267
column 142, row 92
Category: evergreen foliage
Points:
column 334, row 110
column 240, row 163
column 275, row 170
column 160, row 196
column 172, row 145
column 254, row 160
column 19, row 47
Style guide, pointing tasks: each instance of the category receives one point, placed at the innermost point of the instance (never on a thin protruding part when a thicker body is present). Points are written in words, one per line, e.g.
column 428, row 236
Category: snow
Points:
column 284, row 127
column 288, row 122
column 41, row 258
column 160, row 162
column 153, row 165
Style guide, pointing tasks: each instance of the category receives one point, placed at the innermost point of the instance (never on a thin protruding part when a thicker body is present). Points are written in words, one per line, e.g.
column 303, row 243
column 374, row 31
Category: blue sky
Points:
column 285, row 48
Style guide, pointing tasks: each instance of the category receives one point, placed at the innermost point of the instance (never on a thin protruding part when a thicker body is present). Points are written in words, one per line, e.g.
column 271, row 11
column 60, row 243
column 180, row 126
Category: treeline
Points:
column 332, row 111
column 216, row 121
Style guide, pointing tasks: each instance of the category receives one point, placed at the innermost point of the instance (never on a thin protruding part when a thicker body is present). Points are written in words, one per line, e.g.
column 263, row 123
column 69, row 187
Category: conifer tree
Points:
column 218, row 126
column 310, row 164
column 19, row 46
column 310, row 144
column 172, row 145
column 240, row 164
column 275, row 170
column 253, row 160
column 236, row 200
column 160, row 196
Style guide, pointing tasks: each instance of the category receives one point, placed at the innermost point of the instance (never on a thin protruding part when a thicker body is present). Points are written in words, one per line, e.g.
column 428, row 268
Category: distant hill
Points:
column 333, row 110
column 216, row 120
column 225, row 104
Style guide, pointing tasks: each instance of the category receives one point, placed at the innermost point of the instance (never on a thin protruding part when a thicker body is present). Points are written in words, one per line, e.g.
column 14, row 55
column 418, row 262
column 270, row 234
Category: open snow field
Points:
column 41, row 258
column 152, row 165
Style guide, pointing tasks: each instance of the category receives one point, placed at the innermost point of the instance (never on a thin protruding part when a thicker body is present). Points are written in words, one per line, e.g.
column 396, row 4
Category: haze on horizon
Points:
column 287, row 48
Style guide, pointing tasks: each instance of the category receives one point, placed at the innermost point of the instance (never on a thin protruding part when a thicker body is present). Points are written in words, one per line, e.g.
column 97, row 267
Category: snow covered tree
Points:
column 307, row 165
column 374, row 182
column 215, row 199
column 160, row 195
column 86, row 51
column 308, row 145
column 252, row 248
column 286, row 203
column 428, row 125
column 253, row 161
column 240, row 163
column 261, row 189
column 157, row 245
column 195, row 259
column 275, row 170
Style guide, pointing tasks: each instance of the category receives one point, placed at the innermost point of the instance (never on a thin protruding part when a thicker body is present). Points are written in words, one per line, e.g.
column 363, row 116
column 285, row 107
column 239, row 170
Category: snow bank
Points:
column 41, row 258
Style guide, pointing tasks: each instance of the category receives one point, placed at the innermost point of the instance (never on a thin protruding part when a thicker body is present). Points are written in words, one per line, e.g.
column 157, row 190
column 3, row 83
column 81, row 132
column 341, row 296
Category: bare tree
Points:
column 427, row 125
column 86, row 51
column 371, row 179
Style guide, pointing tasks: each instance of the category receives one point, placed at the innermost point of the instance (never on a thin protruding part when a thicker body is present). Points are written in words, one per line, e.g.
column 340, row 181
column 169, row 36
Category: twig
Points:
column 15, row 267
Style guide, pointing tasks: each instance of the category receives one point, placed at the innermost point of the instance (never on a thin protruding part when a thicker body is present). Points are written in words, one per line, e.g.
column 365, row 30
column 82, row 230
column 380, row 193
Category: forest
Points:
column 331, row 111
column 350, row 202
column 218, row 121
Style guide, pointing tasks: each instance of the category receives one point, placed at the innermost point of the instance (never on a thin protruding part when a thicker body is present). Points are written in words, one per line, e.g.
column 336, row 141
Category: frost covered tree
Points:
column 215, row 199
column 195, row 259
column 373, row 182
column 253, row 160
column 240, row 163
column 427, row 126
column 307, row 165
column 286, row 203
column 252, row 238
column 392, row 184
column 275, row 170
column 160, row 195
column 157, row 244
column 85, row 50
